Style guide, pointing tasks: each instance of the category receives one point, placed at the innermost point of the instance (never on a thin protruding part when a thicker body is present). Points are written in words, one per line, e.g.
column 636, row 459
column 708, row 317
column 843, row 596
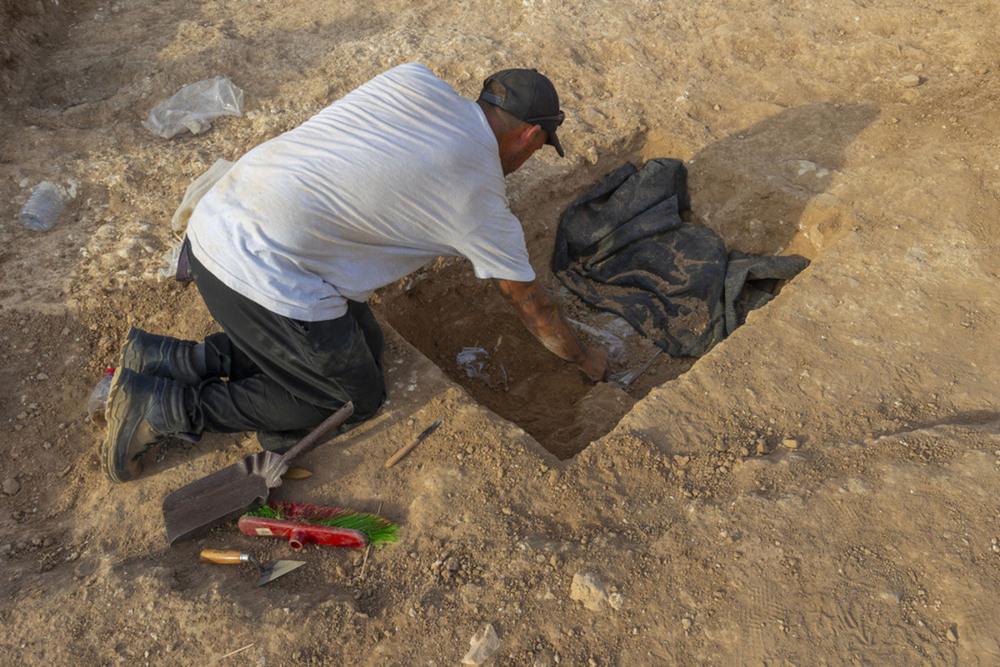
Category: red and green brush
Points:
column 300, row 523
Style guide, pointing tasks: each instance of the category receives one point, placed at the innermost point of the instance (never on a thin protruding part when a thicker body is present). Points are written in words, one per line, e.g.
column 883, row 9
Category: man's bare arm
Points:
column 542, row 317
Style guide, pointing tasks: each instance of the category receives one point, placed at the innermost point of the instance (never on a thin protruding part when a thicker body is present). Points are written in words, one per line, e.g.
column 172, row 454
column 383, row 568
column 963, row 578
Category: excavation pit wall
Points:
column 763, row 195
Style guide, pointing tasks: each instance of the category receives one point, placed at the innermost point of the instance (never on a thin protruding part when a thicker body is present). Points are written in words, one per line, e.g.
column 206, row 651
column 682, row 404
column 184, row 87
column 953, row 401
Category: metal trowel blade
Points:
column 276, row 568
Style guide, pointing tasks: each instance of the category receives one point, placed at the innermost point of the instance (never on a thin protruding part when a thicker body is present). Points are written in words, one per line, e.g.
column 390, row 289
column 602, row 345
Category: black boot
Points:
column 149, row 354
column 142, row 412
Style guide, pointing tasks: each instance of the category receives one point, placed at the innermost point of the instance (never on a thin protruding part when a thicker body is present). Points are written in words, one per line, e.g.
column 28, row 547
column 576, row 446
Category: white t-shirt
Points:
column 398, row 172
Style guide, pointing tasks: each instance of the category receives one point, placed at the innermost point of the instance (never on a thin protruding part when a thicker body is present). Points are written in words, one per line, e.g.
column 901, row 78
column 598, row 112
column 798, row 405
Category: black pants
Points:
column 274, row 374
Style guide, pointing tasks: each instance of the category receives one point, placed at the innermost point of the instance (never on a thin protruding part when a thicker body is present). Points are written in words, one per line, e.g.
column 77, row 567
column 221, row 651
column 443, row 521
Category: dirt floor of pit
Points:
column 504, row 367
column 821, row 488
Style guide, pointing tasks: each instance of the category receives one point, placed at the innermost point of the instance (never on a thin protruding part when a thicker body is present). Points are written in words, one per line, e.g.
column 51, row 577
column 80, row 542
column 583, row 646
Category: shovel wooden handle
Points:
column 317, row 434
column 222, row 556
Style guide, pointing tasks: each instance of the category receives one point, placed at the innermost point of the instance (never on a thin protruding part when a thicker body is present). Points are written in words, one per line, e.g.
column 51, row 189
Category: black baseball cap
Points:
column 531, row 97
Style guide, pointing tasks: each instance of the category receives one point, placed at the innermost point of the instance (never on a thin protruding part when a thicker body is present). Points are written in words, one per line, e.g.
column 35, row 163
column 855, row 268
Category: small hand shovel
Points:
column 272, row 571
column 226, row 494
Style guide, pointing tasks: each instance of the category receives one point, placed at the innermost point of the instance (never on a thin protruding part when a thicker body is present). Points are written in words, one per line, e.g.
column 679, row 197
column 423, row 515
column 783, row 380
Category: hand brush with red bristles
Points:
column 300, row 523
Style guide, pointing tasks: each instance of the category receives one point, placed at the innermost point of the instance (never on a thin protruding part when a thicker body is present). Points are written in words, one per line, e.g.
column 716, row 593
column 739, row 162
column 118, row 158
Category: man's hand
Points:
column 595, row 364
column 541, row 316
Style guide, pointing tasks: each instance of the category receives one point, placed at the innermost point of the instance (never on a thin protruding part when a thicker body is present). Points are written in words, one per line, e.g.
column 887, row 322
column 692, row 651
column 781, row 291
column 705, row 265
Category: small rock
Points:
column 543, row 659
column 790, row 443
column 910, row 81
column 952, row 634
column 11, row 486
column 588, row 589
column 482, row 646
column 42, row 376
column 686, row 623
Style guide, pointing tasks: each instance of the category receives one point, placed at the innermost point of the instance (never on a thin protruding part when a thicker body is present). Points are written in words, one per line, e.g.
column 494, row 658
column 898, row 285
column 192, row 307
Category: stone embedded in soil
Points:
column 482, row 646
column 910, row 81
column 11, row 486
column 588, row 589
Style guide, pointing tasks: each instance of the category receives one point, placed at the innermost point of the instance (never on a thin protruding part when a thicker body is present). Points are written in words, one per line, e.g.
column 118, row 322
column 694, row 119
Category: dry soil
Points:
column 822, row 488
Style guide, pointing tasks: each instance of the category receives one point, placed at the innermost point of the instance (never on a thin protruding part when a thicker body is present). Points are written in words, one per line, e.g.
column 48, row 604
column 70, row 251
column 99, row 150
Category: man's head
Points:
column 525, row 113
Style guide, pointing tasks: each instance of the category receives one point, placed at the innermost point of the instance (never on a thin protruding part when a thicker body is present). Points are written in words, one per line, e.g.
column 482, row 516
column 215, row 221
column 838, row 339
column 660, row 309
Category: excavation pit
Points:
column 764, row 191
column 453, row 318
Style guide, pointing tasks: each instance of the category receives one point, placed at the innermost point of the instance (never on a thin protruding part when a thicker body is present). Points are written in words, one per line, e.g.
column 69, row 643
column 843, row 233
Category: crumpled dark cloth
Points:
column 623, row 248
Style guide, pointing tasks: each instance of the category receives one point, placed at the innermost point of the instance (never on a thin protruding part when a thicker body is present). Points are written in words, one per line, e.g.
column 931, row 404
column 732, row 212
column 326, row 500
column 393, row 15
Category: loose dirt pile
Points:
column 824, row 486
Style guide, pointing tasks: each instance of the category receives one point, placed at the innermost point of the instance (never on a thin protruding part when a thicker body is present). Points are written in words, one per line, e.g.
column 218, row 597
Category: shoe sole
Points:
column 115, row 412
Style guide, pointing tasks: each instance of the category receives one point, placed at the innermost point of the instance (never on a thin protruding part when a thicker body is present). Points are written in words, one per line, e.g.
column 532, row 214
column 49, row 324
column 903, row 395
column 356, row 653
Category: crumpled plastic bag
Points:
column 611, row 332
column 194, row 193
column 170, row 258
column 194, row 106
column 477, row 362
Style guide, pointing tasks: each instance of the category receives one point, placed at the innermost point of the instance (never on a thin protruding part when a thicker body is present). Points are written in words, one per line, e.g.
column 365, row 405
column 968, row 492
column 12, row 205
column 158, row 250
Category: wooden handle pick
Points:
column 413, row 443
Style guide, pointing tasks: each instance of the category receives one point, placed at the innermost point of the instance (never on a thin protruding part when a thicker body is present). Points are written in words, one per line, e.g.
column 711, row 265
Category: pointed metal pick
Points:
column 277, row 568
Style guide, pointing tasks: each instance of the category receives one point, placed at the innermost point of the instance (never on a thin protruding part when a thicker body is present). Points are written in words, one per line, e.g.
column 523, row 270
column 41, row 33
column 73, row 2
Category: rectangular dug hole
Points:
column 455, row 319
column 466, row 329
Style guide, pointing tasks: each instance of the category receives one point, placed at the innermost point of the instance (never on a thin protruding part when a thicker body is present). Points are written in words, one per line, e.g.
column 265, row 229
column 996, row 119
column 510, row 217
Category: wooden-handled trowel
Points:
column 237, row 489
column 268, row 572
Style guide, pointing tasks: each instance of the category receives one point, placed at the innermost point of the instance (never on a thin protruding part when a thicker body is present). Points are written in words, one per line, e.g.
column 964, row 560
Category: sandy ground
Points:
column 821, row 488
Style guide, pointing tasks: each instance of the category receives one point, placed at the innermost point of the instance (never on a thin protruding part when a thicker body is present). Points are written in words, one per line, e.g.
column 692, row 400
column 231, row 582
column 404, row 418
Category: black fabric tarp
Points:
column 623, row 247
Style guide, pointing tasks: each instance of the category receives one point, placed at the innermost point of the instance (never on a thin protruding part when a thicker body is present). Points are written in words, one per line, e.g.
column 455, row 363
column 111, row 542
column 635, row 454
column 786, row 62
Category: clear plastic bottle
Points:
column 44, row 205
column 99, row 397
